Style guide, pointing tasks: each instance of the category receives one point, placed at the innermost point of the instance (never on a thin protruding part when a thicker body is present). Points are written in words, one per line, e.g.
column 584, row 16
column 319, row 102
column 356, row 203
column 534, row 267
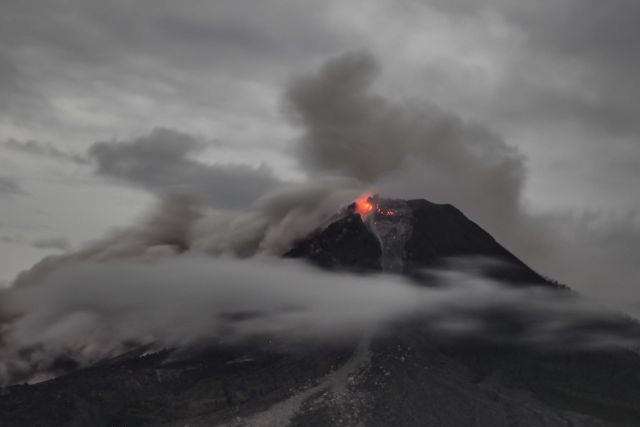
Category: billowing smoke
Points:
column 160, row 163
column 406, row 150
column 87, row 311
column 410, row 150
column 181, row 224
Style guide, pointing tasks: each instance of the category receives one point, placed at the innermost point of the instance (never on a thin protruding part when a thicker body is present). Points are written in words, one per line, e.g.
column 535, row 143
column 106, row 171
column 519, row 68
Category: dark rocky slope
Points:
column 433, row 234
column 403, row 375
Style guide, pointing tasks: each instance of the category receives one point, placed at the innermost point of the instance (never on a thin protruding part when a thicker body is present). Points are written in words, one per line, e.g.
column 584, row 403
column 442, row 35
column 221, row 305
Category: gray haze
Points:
column 555, row 80
column 87, row 311
column 60, row 243
column 9, row 186
column 160, row 163
column 43, row 149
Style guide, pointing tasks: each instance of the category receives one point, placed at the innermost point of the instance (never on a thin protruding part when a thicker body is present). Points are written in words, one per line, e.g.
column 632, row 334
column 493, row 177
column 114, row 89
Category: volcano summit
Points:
column 407, row 236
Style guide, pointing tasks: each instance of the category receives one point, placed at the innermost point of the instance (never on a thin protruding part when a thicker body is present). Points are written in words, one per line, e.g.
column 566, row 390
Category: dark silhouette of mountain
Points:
column 419, row 234
column 346, row 244
column 402, row 375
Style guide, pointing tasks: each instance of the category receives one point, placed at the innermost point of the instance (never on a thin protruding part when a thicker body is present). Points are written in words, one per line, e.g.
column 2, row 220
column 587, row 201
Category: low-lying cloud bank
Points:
column 87, row 311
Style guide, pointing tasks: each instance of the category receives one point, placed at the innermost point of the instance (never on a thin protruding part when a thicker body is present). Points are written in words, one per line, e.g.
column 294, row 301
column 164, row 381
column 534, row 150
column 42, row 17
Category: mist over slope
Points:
column 160, row 292
column 271, row 341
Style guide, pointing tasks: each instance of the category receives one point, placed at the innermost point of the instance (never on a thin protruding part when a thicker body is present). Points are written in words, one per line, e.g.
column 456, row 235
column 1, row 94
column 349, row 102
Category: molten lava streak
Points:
column 368, row 203
column 364, row 204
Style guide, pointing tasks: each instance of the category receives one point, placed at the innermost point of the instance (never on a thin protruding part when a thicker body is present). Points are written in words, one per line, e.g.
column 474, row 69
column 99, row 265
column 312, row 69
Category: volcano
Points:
column 404, row 375
column 406, row 237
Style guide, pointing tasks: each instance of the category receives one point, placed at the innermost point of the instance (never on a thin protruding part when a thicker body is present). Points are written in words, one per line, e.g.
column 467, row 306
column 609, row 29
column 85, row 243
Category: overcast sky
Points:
column 190, row 95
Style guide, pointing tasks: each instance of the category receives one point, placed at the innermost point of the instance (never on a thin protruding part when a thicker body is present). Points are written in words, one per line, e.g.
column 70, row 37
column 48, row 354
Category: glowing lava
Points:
column 385, row 211
column 368, row 203
column 364, row 204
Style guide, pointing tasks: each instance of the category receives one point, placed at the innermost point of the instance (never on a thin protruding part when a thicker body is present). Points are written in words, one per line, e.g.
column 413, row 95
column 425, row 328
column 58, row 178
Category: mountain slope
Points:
column 400, row 375
column 417, row 234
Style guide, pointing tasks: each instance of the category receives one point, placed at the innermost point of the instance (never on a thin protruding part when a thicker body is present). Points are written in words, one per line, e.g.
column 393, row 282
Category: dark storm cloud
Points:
column 43, row 149
column 9, row 186
column 59, row 243
column 160, row 162
column 596, row 254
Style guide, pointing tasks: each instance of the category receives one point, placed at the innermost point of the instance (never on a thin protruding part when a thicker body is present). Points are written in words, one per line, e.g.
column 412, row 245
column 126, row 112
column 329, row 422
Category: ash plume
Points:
column 180, row 223
column 413, row 150
column 407, row 150
column 9, row 186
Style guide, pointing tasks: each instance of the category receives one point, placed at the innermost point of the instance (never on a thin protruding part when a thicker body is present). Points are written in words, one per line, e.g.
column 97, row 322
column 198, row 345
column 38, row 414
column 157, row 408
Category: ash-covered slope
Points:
column 402, row 375
column 406, row 237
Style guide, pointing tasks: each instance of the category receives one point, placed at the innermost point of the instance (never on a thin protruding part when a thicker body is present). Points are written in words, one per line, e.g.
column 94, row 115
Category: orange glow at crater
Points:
column 364, row 205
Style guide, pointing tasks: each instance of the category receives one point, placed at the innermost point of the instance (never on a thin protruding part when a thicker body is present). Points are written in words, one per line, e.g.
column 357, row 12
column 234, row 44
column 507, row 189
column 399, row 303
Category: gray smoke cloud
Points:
column 412, row 150
column 350, row 129
column 160, row 162
column 87, row 311
column 406, row 150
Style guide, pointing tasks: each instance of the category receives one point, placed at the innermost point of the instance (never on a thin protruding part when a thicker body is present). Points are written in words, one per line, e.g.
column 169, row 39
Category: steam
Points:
column 181, row 223
column 88, row 311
